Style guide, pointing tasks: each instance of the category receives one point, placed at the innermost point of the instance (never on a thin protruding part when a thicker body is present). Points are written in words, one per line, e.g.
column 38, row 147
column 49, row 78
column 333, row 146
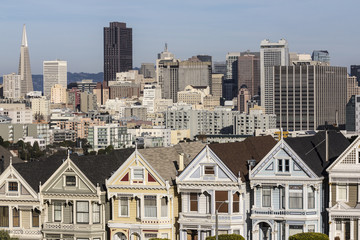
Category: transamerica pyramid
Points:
column 24, row 66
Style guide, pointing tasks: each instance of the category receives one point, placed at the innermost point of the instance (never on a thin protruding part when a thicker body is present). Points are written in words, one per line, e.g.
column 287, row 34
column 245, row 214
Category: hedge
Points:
column 309, row 236
column 5, row 236
column 159, row 239
column 227, row 237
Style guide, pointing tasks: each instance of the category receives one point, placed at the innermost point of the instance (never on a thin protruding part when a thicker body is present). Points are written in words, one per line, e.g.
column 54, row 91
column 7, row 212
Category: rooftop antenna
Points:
column 166, row 48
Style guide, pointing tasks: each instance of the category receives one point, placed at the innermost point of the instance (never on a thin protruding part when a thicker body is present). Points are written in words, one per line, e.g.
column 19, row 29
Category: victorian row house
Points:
column 259, row 188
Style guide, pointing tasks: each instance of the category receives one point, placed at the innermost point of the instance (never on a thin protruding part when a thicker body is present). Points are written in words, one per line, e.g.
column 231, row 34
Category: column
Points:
column 199, row 234
column 358, row 228
column 351, row 229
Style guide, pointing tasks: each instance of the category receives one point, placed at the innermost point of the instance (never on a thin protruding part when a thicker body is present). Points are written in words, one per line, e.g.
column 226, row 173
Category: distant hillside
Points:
column 72, row 77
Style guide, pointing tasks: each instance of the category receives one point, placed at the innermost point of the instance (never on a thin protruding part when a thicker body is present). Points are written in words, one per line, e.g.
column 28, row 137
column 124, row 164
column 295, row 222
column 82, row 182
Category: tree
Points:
column 101, row 152
column 5, row 236
column 309, row 236
column 109, row 149
column 93, row 153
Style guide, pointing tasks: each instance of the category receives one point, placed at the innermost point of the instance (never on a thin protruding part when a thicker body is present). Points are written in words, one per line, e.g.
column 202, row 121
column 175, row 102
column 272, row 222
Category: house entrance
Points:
column 265, row 231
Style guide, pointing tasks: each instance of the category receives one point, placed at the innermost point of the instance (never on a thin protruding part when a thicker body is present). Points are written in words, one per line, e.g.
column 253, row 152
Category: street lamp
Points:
column 217, row 219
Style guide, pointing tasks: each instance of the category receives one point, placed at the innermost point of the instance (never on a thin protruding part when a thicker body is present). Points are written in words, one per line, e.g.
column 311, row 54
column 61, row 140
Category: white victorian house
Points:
column 288, row 186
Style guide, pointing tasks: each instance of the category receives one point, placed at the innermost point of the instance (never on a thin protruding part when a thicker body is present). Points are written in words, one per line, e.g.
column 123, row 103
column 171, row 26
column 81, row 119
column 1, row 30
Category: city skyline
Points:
column 58, row 30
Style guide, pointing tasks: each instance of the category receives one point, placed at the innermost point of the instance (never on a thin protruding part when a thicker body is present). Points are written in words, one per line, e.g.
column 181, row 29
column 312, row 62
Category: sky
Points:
column 73, row 30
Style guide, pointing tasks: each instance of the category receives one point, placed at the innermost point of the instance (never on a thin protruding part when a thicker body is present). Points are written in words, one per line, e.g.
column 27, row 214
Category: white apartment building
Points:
column 22, row 116
column 152, row 92
column 54, row 72
column 41, row 106
column 162, row 132
column 58, row 94
column 271, row 54
column 12, row 86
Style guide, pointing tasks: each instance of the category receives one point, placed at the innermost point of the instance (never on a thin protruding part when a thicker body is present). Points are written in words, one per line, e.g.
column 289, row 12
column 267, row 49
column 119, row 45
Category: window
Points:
column 266, row 197
column 341, row 192
column 295, row 229
column 96, row 213
column 164, row 236
column 164, row 207
column 209, row 170
column 338, row 226
column 193, row 202
column 311, row 228
column 220, row 204
column 150, row 206
column 138, row 173
column 4, row 216
column 287, row 165
column 35, row 218
column 82, row 212
column 282, row 198
column 236, row 199
column 16, row 217
column 70, row 181
column 123, row 207
column 295, row 197
column 138, row 207
column 57, row 212
column 311, row 199
column 208, row 202
column 13, row 186
column 280, row 165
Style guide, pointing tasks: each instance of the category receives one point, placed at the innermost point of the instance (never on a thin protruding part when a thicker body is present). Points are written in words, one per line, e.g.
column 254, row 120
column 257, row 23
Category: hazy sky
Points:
column 73, row 30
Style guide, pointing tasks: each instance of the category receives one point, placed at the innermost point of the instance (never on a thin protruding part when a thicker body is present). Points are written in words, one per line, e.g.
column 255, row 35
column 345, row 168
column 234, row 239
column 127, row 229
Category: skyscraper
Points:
column 271, row 54
column 249, row 73
column 307, row 96
column 54, row 72
column 321, row 56
column 355, row 71
column 117, row 50
column 24, row 66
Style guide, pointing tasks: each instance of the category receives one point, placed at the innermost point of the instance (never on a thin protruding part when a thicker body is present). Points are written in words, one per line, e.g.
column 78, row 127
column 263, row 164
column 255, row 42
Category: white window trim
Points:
column 271, row 197
column 119, row 210
column 167, row 207
column 137, row 179
column 189, row 203
column 210, row 165
column 337, row 193
column 18, row 187
column 283, row 165
column 61, row 213
column 76, row 181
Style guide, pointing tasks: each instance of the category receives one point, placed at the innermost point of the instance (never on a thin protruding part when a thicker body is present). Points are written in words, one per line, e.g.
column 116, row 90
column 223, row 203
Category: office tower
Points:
column 24, row 66
column 194, row 72
column 216, row 85
column 148, row 70
column 352, row 87
column 54, row 72
column 231, row 65
column 321, row 56
column 117, row 50
column 249, row 73
column 353, row 114
column 355, row 71
column 204, row 58
column 219, row 68
column 271, row 54
column 307, row 96
column 243, row 97
column 12, row 86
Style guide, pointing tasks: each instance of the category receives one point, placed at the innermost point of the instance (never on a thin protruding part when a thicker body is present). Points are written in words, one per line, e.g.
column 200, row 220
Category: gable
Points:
column 282, row 162
column 135, row 171
column 349, row 159
column 207, row 167
column 13, row 185
column 68, row 179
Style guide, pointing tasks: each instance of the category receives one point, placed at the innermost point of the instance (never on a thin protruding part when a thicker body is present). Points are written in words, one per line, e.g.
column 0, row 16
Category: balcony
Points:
column 22, row 232
column 72, row 227
column 290, row 212
column 210, row 218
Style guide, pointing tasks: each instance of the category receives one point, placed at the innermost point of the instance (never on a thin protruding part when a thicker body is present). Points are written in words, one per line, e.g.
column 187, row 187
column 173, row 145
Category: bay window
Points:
column 57, row 212
column 311, row 198
column 266, row 197
column 236, row 203
column 295, row 197
column 220, row 199
column 150, row 206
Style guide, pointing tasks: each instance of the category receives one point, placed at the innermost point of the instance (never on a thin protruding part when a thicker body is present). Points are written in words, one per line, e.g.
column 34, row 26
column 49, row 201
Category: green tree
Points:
column 227, row 237
column 5, row 236
column 101, row 152
column 1, row 141
column 109, row 149
column 309, row 236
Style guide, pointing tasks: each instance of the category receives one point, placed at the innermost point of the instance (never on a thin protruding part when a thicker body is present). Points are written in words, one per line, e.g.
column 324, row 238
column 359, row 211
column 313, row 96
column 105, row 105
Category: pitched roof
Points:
column 165, row 159
column 5, row 155
column 236, row 154
column 312, row 149
column 96, row 168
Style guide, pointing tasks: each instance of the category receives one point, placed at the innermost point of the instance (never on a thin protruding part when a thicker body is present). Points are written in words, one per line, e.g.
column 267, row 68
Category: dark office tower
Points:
column 117, row 50
column 355, row 71
column 307, row 96
column 321, row 56
column 204, row 58
column 249, row 73
column 219, row 68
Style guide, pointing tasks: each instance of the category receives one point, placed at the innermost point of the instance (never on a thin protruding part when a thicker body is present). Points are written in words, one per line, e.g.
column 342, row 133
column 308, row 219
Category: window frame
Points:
column 94, row 213
column 263, row 190
column 5, row 210
column 164, row 207
column 346, row 190
column 66, row 181
column 192, row 200
column 296, row 191
column 121, row 199
column 218, row 202
column 236, row 202
column 33, row 216
column 150, row 198
column 209, row 168
column 133, row 174
column 17, row 216
column 82, row 212
column 10, row 186
column 311, row 200
column 57, row 210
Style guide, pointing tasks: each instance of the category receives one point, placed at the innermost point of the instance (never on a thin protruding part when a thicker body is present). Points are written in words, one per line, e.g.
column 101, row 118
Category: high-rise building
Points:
column 352, row 87
column 12, row 86
column 249, row 73
column 243, row 97
column 219, row 68
column 271, row 54
column 216, row 85
column 54, row 72
column 308, row 96
column 321, row 56
column 148, row 70
column 117, row 50
column 355, row 71
column 231, row 79
column 24, row 66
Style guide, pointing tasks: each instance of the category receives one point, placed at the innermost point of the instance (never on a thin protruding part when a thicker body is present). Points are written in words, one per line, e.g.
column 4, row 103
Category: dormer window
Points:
column 13, row 187
column 209, row 170
column 138, row 173
column 70, row 181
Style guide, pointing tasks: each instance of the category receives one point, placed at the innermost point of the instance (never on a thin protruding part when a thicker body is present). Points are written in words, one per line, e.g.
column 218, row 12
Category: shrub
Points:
column 5, row 236
column 159, row 239
column 227, row 237
column 309, row 236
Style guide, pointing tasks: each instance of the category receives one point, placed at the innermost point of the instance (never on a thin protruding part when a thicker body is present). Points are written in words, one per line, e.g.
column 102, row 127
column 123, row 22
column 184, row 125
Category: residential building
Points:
column 87, row 102
column 321, row 56
column 179, row 135
column 54, row 72
column 152, row 92
column 343, row 197
column 12, row 86
column 24, row 66
column 101, row 137
column 160, row 132
column 271, row 54
column 316, row 96
column 249, row 73
column 118, row 50
column 15, row 132
column 62, row 135
column 19, row 113
column 40, row 108
column 248, row 124
column 123, row 89
column 288, row 187
column 74, row 98
column 138, row 112
column 41, row 142
column 86, row 85
column 58, row 94
column 102, row 93
column 217, row 85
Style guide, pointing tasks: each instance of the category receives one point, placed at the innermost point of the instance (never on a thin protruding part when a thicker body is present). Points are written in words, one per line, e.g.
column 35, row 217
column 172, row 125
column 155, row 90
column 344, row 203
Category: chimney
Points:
column 181, row 162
